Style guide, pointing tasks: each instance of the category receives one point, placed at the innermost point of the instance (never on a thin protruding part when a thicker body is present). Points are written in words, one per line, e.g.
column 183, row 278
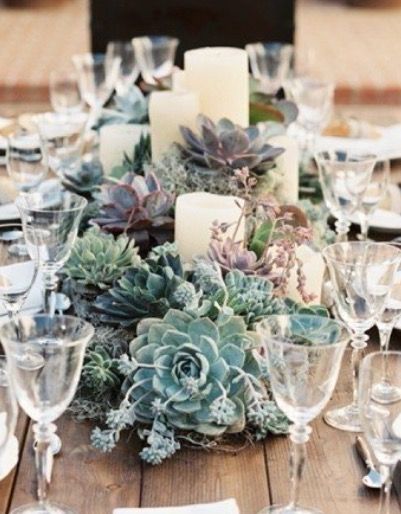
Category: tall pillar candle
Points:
column 178, row 80
column 194, row 217
column 220, row 76
column 168, row 110
column 288, row 167
column 116, row 141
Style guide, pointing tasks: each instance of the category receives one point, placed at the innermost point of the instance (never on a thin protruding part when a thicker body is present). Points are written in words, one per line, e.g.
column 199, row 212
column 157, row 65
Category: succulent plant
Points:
column 86, row 179
column 138, row 206
column 135, row 163
column 148, row 290
column 227, row 147
column 131, row 107
column 98, row 259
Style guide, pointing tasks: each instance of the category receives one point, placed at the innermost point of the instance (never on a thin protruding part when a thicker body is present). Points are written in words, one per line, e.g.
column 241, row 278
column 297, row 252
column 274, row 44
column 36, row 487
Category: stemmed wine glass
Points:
column 270, row 64
column 344, row 178
column 45, row 355
column 65, row 96
column 8, row 421
column 374, row 194
column 303, row 355
column 381, row 423
column 53, row 221
column 155, row 56
column 362, row 275
column 129, row 70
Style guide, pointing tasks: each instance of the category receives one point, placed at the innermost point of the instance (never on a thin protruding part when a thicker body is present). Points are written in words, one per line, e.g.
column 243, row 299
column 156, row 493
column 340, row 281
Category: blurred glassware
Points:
column 65, row 96
column 129, row 70
column 381, row 424
column 155, row 56
column 63, row 136
column 45, row 355
column 303, row 355
column 376, row 191
column 8, row 412
column 50, row 222
column 97, row 76
column 270, row 64
column 362, row 275
column 344, row 178
column 27, row 161
column 18, row 268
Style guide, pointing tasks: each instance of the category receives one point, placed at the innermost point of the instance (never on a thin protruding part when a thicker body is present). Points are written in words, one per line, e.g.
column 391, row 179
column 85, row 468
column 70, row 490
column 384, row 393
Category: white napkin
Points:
column 23, row 271
column 9, row 212
column 224, row 507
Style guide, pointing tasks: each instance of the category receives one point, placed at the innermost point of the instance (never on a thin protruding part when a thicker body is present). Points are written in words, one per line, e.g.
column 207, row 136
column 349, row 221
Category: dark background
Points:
column 196, row 23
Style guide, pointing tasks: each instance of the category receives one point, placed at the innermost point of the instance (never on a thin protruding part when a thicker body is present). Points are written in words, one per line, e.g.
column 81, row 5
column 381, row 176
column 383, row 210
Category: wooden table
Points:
column 95, row 483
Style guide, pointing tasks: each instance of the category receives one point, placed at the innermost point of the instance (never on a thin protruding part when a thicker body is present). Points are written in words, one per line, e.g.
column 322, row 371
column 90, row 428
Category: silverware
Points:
column 373, row 478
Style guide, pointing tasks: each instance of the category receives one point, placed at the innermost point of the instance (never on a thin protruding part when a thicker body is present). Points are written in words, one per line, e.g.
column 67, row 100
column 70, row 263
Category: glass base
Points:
column 288, row 509
column 345, row 418
column 385, row 393
column 43, row 508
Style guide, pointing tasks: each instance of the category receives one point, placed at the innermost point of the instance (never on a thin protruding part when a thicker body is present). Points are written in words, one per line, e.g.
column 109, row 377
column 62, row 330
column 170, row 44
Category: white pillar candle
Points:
column 168, row 110
column 220, row 76
column 313, row 269
column 194, row 217
column 179, row 82
column 288, row 166
column 117, row 140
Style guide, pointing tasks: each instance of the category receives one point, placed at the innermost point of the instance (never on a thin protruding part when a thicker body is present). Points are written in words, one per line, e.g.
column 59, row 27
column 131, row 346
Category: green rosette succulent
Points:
column 98, row 259
column 148, row 290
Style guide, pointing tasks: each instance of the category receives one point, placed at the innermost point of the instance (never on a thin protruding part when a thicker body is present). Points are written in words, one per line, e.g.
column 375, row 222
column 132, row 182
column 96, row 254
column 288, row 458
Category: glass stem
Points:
column 385, row 332
column 43, row 459
column 342, row 229
column 358, row 345
column 50, row 287
column 385, row 492
column 299, row 435
column 364, row 221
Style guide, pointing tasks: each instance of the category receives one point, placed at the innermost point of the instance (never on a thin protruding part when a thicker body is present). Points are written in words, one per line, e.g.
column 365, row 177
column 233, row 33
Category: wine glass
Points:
column 45, row 355
column 362, row 275
column 129, row 70
column 53, row 221
column 303, row 355
column 8, row 421
column 270, row 64
column 344, row 178
column 62, row 134
column 381, row 424
column 65, row 96
column 26, row 161
column 18, row 268
column 155, row 56
column 374, row 194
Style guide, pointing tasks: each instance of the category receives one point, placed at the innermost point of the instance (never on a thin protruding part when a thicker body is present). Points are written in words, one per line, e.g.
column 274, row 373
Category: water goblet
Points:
column 26, row 161
column 8, row 421
column 155, row 56
column 362, row 275
column 129, row 70
column 45, row 355
column 65, row 96
column 381, row 423
column 270, row 64
column 374, row 194
column 344, row 178
column 303, row 355
column 51, row 222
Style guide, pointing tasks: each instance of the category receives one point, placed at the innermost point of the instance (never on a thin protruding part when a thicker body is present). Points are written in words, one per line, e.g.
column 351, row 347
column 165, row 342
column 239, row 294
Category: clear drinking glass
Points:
column 8, row 421
column 270, row 64
column 51, row 223
column 45, row 355
column 344, row 178
column 303, row 355
column 129, row 70
column 65, row 96
column 18, row 268
column 27, row 161
column 381, row 424
column 155, row 56
column 374, row 194
column 63, row 136
column 362, row 275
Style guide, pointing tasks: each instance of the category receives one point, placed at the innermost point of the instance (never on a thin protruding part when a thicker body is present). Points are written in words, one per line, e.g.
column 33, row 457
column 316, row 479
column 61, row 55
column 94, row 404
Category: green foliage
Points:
column 84, row 180
column 137, row 161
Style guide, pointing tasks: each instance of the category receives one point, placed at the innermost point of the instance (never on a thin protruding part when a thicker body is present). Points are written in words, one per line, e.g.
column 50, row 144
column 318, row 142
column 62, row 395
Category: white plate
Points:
column 9, row 212
column 382, row 221
column 8, row 457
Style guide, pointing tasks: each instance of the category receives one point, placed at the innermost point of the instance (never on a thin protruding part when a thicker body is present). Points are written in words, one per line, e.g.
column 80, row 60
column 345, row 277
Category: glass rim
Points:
column 271, row 44
column 341, row 324
column 370, row 356
column 360, row 244
column 162, row 38
column 88, row 330
column 20, row 199
column 359, row 157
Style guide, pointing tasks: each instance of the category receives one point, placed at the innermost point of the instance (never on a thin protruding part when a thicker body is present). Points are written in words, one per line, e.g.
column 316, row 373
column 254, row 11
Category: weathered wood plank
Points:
column 83, row 478
column 195, row 476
